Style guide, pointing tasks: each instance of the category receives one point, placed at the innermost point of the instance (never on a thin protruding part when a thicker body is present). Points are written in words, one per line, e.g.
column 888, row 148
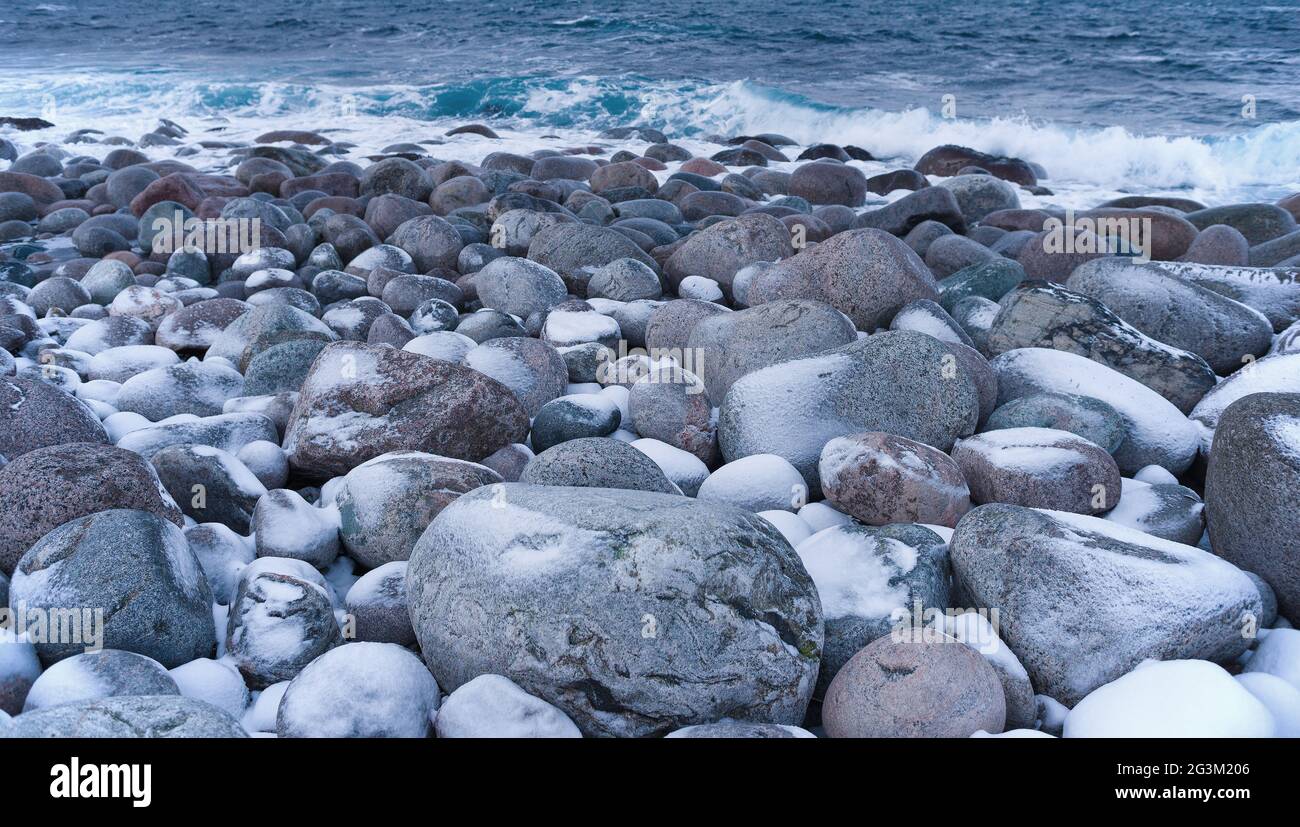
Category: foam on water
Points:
column 1085, row 165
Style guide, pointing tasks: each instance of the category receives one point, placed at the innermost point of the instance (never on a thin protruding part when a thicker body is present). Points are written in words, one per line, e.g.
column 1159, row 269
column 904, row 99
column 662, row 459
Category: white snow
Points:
column 266, row 706
column 682, row 467
column 852, row 571
column 368, row 589
column 447, row 345
column 1012, row 733
column 791, row 526
column 759, row 482
column 1281, row 698
column 1171, row 699
column 1272, row 374
column 565, row 328
column 213, row 681
column 493, row 706
column 1034, row 451
column 366, row 689
column 1155, row 475
column 975, row 630
column 118, row 364
column 923, row 321
column 1278, row 655
column 699, row 288
column 820, row 515
column 17, row 657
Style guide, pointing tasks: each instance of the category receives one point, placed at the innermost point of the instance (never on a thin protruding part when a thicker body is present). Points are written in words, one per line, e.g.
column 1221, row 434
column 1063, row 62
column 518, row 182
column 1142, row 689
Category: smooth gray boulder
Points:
column 1082, row 600
column 635, row 613
column 386, row 503
column 1273, row 374
column 1273, row 291
column 139, row 716
column 597, row 462
column 1252, row 492
column 519, row 286
column 134, row 566
column 105, row 673
column 1166, row 510
column 1084, row 416
column 1042, row 314
column 1176, row 311
column 731, row 345
column 575, row 251
column 900, row 382
column 1157, row 433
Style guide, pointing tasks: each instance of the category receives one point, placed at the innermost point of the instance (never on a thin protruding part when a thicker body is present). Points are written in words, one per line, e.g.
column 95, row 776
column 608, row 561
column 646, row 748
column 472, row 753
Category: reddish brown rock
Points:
column 881, row 478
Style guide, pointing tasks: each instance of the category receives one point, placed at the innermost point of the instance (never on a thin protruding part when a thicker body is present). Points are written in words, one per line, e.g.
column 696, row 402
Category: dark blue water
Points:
column 1170, row 68
column 1125, row 95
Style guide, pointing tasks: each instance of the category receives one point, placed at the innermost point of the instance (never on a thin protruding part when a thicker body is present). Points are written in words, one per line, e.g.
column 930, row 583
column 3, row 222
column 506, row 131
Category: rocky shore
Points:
column 622, row 439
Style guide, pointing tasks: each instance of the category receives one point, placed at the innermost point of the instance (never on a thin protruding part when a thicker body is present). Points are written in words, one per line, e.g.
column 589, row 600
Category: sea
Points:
column 1188, row 97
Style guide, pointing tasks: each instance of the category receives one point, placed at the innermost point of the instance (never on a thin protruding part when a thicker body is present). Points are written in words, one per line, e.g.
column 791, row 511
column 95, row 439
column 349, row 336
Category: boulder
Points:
column 359, row 401
column 1252, row 492
column 1082, row 600
column 899, row 382
column 1042, row 314
column 386, row 503
column 134, row 566
column 866, row 274
column 914, row 689
column 634, row 613
column 45, row 488
column 879, row 478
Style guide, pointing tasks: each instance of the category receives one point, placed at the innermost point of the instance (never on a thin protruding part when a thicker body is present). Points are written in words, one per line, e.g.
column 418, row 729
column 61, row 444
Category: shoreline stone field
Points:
column 619, row 438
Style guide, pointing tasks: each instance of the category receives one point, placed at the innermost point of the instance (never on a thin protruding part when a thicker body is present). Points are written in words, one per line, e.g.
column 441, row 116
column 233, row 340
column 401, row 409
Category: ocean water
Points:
column 1199, row 98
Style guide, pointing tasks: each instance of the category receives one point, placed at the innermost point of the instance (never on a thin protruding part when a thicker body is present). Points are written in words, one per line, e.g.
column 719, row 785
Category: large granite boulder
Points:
column 635, row 613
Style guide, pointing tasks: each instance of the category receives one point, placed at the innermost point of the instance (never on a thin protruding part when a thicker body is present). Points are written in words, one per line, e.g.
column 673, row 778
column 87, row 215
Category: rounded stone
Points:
column 585, row 577
column 914, row 689
column 360, row 690
column 597, row 462
column 134, row 565
column 45, row 488
column 881, row 478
